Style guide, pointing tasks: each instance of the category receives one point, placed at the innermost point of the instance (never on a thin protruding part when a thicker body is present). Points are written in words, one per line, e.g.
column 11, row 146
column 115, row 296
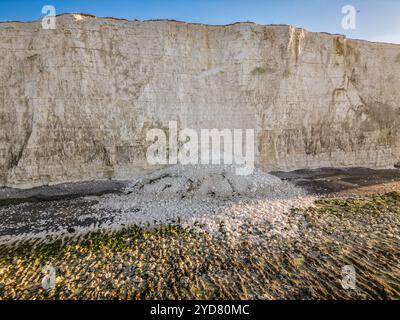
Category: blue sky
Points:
column 377, row 20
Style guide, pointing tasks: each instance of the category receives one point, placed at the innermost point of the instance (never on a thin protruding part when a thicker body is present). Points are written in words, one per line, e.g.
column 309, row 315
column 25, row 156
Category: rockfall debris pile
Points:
column 206, row 198
column 210, row 198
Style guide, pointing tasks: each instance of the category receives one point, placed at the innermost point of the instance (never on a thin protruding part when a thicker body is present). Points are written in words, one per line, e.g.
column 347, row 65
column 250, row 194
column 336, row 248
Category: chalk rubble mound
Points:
column 195, row 181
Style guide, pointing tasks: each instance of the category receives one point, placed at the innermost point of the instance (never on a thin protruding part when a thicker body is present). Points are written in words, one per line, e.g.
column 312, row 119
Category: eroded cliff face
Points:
column 76, row 102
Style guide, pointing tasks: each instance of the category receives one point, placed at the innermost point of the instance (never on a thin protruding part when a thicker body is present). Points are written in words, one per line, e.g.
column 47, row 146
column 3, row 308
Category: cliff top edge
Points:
column 87, row 15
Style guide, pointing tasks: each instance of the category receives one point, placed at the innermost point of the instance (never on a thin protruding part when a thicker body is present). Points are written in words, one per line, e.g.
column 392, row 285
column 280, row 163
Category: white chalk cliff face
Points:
column 76, row 102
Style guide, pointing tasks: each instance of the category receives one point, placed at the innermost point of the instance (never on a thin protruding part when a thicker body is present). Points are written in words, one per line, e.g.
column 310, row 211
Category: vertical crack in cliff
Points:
column 23, row 121
column 16, row 158
column 296, row 42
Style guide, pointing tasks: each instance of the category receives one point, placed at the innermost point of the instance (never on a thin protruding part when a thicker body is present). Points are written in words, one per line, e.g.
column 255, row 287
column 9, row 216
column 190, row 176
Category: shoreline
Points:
column 321, row 181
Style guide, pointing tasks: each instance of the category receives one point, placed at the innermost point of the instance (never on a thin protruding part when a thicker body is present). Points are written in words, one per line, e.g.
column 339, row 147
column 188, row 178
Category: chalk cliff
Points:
column 76, row 102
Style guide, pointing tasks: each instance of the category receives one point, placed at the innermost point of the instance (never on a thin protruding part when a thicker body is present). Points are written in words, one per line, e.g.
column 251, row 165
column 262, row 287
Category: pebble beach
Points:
column 184, row 233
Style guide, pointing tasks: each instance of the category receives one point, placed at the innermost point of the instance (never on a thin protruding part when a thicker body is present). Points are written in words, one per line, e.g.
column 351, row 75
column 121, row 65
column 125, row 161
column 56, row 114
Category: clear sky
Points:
column 376, row 20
